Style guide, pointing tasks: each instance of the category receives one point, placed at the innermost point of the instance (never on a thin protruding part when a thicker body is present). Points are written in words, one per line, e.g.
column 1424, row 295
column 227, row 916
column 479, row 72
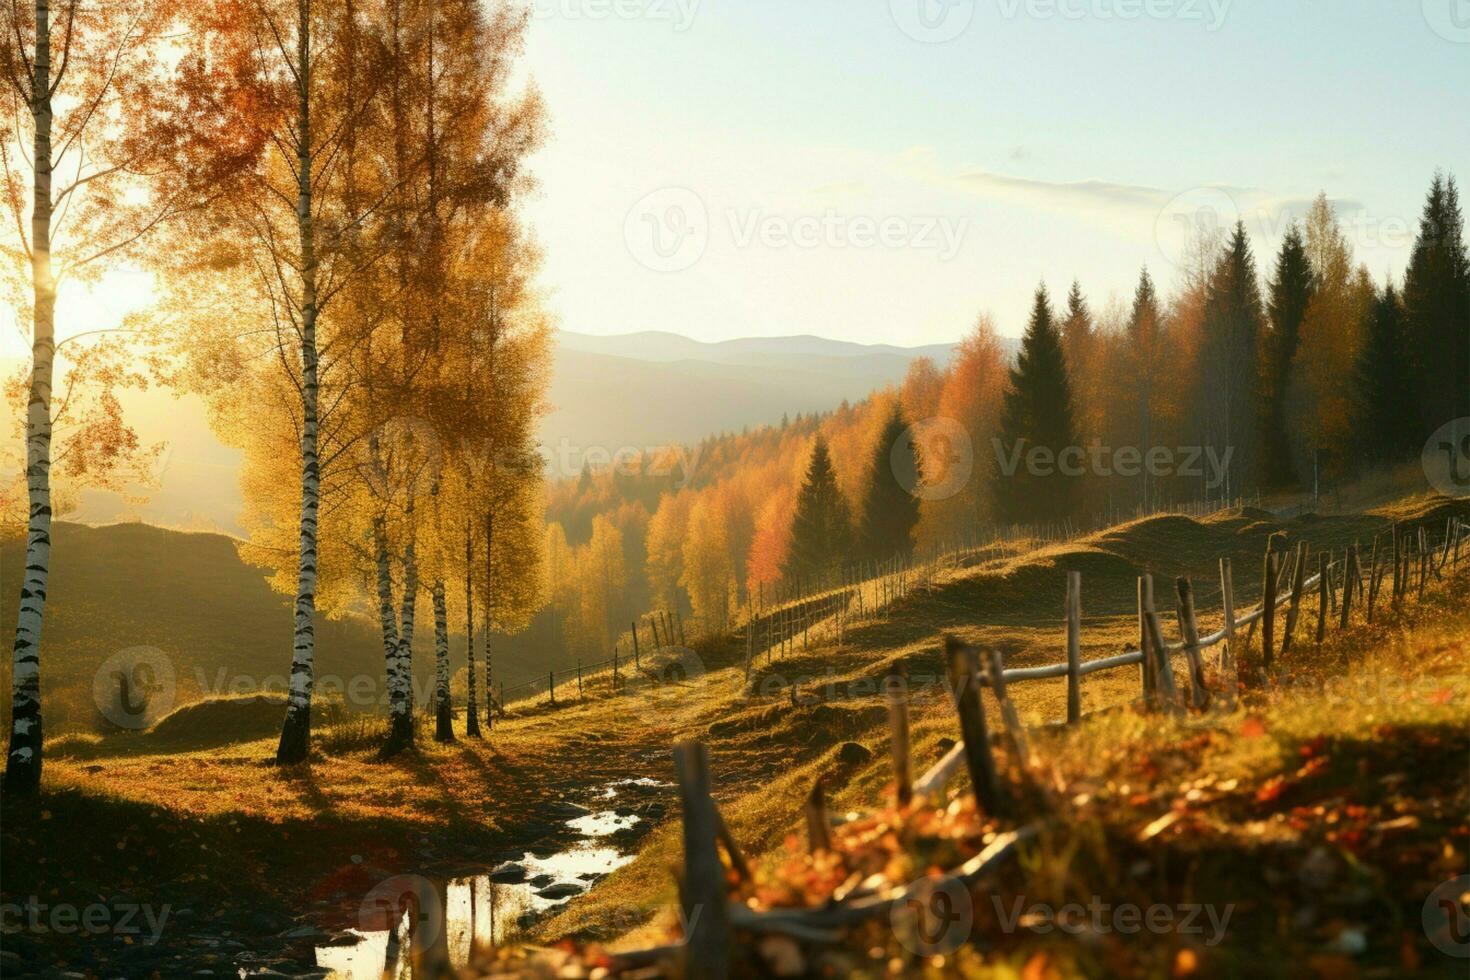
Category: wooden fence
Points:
column 1407, row 562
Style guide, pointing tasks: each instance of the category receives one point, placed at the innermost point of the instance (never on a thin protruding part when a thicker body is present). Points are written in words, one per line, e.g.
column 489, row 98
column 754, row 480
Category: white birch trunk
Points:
column 296, row 731
column 400, row 673
column 23, row 760
column 472, row 708
column 443, row 712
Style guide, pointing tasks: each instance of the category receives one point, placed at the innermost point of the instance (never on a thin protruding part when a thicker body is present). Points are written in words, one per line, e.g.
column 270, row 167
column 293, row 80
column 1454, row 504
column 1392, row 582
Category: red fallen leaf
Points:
column 1271, row 791
column 1442, row 696
column 1314, row 747
column 1252, row 727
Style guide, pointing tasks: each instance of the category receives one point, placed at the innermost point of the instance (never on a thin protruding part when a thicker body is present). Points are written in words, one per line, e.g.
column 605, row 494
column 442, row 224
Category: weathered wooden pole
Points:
column 579, row 678
column 1298, row 579
column 551, row 685
column 704, row 895
column 1008, row 715
column 1168, row 692
column 1146, row 666
column 1398, row 565
column 963, row 665
column 1373, row 580
column 1074, row 647
column 1268, row 609
column 1189, row 630
column 818, row 828
column 1322, row 590
column 738, row 864
column 1349, row 575
column 1227, row 597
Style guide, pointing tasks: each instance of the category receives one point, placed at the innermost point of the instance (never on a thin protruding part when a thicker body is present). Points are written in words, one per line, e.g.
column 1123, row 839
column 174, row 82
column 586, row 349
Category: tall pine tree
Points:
column 890, row 508
column 1147, row 376
column 1290, row 293
column 1437, row 309
column 1229, row 362
column 1032, row 485
column 1077, row 335
column 1385, row 413
column 821, row 530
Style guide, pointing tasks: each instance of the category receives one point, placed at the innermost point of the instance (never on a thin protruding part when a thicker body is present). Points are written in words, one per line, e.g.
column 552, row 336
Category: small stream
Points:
column 446, row 919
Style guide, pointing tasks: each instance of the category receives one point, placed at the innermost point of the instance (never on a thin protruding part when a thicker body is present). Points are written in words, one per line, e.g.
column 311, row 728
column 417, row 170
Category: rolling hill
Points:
column 213, row 619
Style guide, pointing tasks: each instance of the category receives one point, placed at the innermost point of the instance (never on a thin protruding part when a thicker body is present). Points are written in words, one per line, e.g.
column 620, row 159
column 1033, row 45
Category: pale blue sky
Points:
column 832, row 174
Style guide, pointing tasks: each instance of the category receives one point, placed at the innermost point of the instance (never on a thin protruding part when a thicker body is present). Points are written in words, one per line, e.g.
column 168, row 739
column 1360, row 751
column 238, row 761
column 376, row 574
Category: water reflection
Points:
column 410, row 920
column 426, row 928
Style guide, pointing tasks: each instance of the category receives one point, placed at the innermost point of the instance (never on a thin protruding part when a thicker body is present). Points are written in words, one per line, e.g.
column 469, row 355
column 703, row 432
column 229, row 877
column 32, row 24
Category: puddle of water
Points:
column 438, row 925
column 444, row 921
column 602, row 823
column 643, row 782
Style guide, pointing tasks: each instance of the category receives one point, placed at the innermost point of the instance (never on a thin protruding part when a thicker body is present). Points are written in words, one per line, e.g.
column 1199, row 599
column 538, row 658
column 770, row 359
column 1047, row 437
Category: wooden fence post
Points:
column 1227, row 596
column 1074, row 647
column 738, row 863
column 1423, row 562
column 1298, row 579
column 1398, row 563
column 1189, row 630
column 1349, row 575
column 1163, row 668
column 615, row 663
column 1008, row 715
column 1146, row 666
column 1373, row 578
column 1268, row 608
column 964, row 676
column 579, row 678
column 551, row 685
column 818, row 830
column 898, row 729
column 706, row 915
column 1322, row 590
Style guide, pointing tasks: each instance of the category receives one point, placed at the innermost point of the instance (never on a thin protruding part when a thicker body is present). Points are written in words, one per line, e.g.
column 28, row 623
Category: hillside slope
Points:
column 189, row 595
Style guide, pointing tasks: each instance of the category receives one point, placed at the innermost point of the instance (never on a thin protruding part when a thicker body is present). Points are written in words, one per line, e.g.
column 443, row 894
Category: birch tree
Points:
column 86, row 87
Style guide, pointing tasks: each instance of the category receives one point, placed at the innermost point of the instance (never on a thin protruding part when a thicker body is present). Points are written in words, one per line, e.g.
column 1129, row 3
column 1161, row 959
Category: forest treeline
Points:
column 1294, row 377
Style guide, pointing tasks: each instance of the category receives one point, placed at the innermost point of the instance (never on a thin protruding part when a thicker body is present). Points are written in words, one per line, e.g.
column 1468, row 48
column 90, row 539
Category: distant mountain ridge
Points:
column 661, row 345
column 640, row 390
column 649, row 389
